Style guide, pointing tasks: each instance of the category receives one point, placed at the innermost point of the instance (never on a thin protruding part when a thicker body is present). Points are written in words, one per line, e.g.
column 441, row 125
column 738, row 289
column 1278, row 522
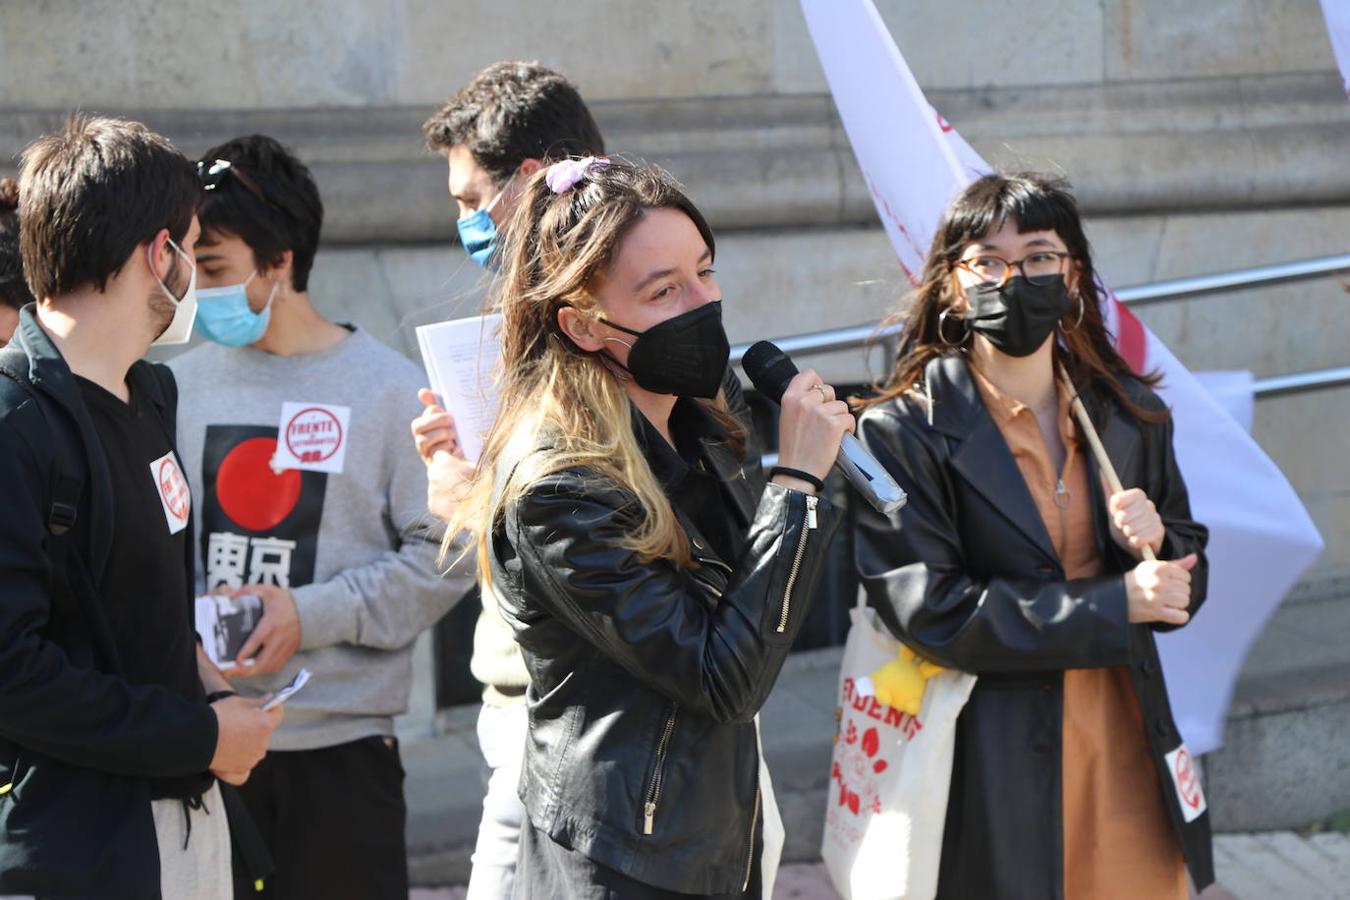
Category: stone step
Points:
column 783, row 161
column 1285, row 762
column 1249, row 867
column 444, row 789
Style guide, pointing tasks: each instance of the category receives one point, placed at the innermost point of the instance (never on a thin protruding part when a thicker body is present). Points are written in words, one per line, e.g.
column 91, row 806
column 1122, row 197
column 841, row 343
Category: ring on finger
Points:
column 820, row 389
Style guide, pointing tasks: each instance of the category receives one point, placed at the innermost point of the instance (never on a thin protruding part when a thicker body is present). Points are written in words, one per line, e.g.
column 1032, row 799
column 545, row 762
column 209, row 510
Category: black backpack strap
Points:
column 252, row 861
column 67, row 472
column 66, row 480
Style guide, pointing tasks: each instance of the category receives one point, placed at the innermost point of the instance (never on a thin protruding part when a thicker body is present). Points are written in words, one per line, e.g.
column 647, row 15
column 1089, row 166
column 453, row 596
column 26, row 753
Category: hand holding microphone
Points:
column 810, row 428
column 776, row 377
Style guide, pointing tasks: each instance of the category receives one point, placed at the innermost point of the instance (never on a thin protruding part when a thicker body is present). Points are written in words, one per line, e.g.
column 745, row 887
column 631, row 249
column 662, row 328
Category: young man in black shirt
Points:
column 110, row 742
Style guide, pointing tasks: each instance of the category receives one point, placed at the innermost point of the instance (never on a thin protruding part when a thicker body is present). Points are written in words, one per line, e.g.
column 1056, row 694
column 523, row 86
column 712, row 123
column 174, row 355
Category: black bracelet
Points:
column 220, row 695
column 798, row 473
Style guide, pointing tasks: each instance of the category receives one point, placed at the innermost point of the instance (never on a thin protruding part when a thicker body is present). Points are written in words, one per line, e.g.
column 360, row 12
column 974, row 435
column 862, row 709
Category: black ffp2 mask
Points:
column 1019, row 316
column 686, row 355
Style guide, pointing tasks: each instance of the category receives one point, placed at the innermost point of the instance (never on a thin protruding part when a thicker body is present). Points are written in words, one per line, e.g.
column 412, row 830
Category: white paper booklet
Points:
column 224, row 623
column 460, row 357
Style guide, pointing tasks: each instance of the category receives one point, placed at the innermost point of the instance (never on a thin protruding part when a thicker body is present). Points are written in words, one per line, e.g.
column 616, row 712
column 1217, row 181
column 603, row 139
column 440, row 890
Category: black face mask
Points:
column 1018, row 317
column 685, row 355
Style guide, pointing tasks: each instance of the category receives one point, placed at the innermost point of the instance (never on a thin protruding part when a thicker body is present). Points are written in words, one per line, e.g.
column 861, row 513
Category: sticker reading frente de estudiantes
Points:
column 173, row 491
column 312, row 437
column 1186, row 779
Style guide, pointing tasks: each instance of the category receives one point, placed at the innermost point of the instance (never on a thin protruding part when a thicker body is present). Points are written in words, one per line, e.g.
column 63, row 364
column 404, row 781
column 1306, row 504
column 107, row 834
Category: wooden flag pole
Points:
column 1098, row 451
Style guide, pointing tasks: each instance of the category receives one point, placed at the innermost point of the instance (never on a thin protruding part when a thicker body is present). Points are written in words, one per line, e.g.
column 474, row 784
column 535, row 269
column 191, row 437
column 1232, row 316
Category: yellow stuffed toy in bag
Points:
column 901, row 682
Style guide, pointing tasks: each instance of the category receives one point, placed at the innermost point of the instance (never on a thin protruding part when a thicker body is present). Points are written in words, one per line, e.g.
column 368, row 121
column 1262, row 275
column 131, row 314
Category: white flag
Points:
column 1261, row 537
column 1337, row 14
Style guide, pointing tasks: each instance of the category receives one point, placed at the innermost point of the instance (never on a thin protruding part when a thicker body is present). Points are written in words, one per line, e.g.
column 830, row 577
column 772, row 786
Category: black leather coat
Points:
column 967, row 575
column 645, row 677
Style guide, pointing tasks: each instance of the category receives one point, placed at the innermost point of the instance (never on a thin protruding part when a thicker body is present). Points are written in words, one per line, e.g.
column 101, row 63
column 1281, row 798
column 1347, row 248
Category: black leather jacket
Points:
column 646, row 677
column 967, row 575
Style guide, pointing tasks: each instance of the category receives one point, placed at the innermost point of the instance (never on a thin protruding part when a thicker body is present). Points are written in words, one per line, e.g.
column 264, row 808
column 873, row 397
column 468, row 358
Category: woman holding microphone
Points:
column 654, row 588
column 1014, row 561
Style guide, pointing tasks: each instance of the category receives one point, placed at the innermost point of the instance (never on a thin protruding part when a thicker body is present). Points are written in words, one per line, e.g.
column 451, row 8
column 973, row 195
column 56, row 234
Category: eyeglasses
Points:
column 1039, row 268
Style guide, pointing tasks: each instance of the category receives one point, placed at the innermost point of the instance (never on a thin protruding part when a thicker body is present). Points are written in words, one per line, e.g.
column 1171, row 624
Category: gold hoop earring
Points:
column 1082, row 308
column 942, row 332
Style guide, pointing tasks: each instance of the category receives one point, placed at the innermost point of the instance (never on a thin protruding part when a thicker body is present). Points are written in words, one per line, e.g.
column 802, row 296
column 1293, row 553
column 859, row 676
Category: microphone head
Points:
column 769, row 370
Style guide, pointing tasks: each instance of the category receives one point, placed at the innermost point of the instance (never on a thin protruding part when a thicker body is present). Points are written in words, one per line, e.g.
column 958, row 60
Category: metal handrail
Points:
column 1262, row 388
column 1298, row 382
column 1199, row 285
column 1157, row 292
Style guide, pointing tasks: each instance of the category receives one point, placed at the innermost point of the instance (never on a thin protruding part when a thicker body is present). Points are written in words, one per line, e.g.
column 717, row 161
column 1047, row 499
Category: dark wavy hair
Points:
column 1036, row 203
column 14, row 291
column 513, row 111
column 91, row 193
column 283, row 213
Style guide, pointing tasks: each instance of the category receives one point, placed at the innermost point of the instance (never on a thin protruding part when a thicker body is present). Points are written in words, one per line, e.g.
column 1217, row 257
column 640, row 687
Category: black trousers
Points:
column 334, row 822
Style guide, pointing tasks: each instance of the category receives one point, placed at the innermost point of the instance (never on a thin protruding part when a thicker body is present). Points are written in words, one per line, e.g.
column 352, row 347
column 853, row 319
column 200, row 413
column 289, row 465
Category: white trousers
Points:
column 201, row 869
column 501, row 736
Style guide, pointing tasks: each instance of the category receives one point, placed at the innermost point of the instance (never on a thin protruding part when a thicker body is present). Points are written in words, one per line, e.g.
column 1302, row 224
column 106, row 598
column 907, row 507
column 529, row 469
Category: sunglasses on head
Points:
column 214, row 173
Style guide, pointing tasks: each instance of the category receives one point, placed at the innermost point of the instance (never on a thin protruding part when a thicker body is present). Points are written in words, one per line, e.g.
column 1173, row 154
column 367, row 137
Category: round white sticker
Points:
column 314, row 435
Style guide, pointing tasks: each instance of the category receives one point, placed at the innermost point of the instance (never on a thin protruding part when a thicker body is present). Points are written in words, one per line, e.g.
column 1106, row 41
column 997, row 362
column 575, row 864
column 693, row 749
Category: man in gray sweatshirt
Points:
column 289, row 429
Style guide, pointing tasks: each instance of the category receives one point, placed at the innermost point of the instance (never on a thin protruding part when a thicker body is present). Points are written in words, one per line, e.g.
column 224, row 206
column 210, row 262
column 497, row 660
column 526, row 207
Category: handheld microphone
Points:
column 770, row 370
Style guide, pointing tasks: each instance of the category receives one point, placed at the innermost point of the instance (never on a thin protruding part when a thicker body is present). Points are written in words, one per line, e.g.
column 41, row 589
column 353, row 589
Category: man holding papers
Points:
column 306, row 501
column 495, row 133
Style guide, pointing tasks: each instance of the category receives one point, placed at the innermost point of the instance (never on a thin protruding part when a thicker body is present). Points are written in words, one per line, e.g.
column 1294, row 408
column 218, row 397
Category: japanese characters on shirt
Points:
column 260, row 524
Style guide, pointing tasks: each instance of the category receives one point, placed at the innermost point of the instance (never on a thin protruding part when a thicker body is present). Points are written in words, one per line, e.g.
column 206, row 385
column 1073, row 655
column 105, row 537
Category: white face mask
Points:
column 185, row 307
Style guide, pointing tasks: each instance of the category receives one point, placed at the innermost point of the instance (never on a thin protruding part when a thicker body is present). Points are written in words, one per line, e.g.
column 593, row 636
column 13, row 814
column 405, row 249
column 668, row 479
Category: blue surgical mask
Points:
column 224, row 316
column 478, row 233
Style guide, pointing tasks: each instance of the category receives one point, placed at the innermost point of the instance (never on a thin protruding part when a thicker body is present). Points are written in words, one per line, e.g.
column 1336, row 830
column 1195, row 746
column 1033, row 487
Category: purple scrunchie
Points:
column 563, row 176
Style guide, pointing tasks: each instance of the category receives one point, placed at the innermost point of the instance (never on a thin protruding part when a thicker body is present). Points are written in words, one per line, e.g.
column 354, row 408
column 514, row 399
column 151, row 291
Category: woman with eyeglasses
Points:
column 1014, row 561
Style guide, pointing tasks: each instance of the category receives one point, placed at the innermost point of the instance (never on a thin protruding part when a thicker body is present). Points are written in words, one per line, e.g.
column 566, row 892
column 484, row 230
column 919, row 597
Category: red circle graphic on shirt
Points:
column 249, row 492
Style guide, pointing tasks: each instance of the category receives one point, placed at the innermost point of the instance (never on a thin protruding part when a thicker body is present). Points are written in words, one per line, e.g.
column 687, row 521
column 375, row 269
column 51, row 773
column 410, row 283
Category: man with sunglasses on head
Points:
column 112, row 721
column 309, row 505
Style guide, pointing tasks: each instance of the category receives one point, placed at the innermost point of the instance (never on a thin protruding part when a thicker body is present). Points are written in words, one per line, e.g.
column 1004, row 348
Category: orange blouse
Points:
column 1118, row 841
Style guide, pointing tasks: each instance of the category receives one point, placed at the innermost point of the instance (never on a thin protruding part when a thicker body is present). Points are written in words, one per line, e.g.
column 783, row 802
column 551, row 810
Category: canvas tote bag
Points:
column 889, row 776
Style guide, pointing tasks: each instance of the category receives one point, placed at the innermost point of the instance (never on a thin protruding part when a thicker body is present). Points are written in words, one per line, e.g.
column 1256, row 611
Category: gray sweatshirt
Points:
column 356, row 548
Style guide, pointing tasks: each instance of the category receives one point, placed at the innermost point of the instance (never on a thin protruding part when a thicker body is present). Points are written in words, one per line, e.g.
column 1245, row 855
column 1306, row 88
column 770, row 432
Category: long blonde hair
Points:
column 561, row 407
